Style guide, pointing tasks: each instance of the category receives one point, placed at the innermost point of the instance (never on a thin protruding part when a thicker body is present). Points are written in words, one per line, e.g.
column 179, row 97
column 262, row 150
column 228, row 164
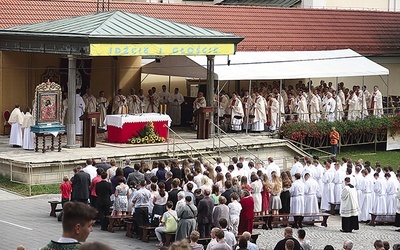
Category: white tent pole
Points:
column 279, row 103
column 337, row 89
column 362, row 100
column 218, row 130
column 248, row 109
column 169, row 84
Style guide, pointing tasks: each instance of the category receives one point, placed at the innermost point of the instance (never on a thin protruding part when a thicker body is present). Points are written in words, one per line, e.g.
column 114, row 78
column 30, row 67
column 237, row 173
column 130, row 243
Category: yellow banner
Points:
column 161, row 49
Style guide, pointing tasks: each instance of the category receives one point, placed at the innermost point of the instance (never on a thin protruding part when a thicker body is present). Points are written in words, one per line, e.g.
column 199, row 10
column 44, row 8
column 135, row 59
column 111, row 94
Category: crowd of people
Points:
column 268, row 106
column 196, row 199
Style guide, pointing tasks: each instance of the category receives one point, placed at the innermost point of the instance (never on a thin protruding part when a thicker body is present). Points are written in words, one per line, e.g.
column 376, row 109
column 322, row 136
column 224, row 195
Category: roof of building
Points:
column 111, row 27
column 267, row 3
column 264, row 29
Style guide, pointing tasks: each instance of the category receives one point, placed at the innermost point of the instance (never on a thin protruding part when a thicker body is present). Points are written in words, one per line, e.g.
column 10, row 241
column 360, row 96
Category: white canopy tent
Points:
column 270, row 65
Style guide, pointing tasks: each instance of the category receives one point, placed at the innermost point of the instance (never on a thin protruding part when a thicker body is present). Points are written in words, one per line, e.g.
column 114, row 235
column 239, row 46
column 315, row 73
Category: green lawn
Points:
column 367, row 153
column 23, row 189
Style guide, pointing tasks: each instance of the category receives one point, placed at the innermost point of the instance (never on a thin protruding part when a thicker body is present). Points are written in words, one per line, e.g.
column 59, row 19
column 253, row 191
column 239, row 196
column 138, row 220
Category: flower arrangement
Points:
column 300, row 130
column 147, row 135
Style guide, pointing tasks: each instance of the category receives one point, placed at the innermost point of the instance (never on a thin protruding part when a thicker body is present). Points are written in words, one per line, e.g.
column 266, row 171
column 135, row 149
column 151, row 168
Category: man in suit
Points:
column 81, row 186
column 204, row 217
column 168, row 181
column 103, row 192
column 173, row 193
column 228, row 192
column 135, row 176
column 103, row 164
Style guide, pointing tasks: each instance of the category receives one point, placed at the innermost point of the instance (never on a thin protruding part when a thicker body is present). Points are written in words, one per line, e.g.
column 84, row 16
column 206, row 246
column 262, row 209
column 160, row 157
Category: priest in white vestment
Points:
column 236, row 113
column 134, row 103
column 391, row 189
column 272, row 112
column 90, row 101
column 297, row 200
column 29, row 137
column 380, row 195
column 367, row 197
column 16, row 119
column 376, row 102
column 329, row 107
column 302, row 108
column 349, row 209
column 260, row 116
column 362, row 102
column 102, row 103
column 163, row 98
column 80, row 109
column 311, row 188
column 119, row 103
column 175, row 101
column 151, row 102
column 352, row 102
column 328, row 189
column 315, row 114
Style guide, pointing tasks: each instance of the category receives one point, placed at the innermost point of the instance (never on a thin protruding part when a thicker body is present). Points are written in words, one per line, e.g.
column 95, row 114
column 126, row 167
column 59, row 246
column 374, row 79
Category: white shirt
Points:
column 92, row 171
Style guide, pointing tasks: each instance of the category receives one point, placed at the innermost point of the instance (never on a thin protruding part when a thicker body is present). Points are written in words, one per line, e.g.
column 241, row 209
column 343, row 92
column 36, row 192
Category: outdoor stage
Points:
column 39, row 168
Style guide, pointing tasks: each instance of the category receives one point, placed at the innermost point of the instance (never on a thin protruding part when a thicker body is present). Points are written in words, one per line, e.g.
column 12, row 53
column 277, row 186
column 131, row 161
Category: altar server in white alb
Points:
column 16, row 119
column 260, row 116
column 80, row 109
column 175, row 101
column 311, row 188
column 29, row 137
column 380, row 195
column 163, row 97
column 329, row 186
column 237, row 113
column 349, row 209
column 367, row 197
column 376, row 102
column 297, row 200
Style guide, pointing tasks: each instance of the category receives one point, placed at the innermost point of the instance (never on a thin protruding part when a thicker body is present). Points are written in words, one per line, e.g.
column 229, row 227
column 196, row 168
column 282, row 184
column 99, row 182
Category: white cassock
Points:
column 376, row 101
column 315, row 114
column 16, row 119
column 380, row 197
column 102, row 102
column 256, row 189
column 237, row 114
column 367, row 198
column 272, row 167
column 338, row 180
column 175, row 102
column 296, row 169
column 297, row 197
column 353, row 108
column 318, row 177
column 259, row 114
column 163, row 97
column 29, row 137
column 329, row 109
column 134, row 104
column 328, row 190
column 80, row 109
column 362, row 102
column 311, row 188
column 339, row 109
column 391, row 189
column 302, row 110
column 273, row 108
column 342, row 98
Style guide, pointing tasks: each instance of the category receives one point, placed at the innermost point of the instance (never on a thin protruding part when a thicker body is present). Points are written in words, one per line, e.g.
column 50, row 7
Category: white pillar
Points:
column 71, row 140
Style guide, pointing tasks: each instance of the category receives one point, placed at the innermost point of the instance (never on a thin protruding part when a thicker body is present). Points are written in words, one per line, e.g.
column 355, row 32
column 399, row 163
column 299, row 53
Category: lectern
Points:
column 203, row 122
column 89, row 129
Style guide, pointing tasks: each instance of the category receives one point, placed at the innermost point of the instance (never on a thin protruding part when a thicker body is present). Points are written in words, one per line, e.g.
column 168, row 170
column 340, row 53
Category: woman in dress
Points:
column 265, row 194
column 285, row 194
column 121, row 197
column 247, row 212
column 111, row 171
column 220, row 182
column 275, row 200
column 256, row 189
column 160, row 200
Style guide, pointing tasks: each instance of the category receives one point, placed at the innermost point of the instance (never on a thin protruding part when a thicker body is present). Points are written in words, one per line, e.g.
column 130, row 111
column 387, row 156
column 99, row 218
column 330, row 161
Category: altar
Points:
column 122, row 128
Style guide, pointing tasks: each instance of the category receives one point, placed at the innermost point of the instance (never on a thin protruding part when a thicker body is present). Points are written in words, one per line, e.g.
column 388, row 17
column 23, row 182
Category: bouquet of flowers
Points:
column 147, row 135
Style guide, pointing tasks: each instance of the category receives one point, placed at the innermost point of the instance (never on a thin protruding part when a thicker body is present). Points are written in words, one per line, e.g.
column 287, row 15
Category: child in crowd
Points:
column 66, row 189
column 194, row 237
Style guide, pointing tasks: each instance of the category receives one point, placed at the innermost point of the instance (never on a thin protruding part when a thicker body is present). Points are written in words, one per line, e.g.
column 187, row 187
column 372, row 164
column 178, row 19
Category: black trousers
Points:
column 103, row 211
column 141, row 219
column 204, row 229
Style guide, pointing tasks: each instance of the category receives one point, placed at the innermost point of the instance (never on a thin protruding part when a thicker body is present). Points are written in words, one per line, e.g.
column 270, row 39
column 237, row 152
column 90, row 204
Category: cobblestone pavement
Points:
column 26, row 221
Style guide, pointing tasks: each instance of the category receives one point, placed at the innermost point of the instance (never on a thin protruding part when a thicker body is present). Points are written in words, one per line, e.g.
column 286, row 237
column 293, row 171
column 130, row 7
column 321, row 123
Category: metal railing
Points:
column 238, row 145
column 188, row 153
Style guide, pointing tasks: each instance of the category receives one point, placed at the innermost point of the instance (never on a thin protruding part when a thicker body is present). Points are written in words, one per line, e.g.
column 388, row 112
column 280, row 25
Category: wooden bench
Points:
column 169, row 237
column 282, row 219
column 260, row 220
column 53, row 208
column 117, row 221
column 129, row 228
column 384, row 219
column 333, row 206
column 148, row 231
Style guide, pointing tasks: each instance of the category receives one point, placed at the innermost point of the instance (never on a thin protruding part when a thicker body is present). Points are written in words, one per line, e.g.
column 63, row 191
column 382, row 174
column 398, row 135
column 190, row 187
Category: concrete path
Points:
column 26, row 221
